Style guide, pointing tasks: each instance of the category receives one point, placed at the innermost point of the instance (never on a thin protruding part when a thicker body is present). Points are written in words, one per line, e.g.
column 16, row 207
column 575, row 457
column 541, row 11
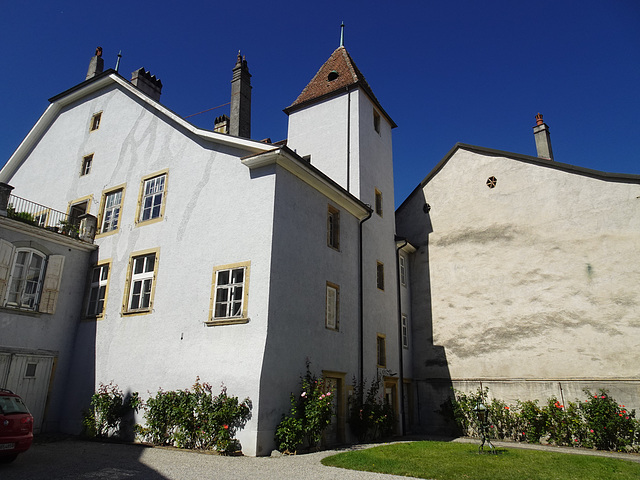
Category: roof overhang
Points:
column 293, row 163
column 104, row 80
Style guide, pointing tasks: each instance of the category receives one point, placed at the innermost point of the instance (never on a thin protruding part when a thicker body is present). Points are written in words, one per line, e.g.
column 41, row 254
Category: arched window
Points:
column 26, row 278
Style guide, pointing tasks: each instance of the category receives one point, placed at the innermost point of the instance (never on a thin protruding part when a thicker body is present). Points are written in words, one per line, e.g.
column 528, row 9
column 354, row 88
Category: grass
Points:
column 454, row 461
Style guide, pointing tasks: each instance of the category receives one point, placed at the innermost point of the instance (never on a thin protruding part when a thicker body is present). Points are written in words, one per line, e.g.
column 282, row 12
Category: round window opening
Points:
column 332, row 75
column 491, row 182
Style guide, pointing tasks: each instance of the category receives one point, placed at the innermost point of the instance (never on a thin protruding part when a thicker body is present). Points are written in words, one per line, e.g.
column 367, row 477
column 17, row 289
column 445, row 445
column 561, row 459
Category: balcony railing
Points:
column 42, row 216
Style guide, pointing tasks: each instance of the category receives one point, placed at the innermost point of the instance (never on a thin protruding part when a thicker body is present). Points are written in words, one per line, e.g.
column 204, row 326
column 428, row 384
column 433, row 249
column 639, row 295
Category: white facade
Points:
column 528, row 286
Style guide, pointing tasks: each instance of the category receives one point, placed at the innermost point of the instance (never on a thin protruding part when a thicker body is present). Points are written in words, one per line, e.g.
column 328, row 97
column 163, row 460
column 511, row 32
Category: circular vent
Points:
column 332, row 75
column 491, row 182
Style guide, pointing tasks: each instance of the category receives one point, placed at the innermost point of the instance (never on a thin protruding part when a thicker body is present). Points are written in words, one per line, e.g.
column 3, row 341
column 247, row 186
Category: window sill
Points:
column 143, row 311
column 226, row 321
column 21, row 311
column 149, row 221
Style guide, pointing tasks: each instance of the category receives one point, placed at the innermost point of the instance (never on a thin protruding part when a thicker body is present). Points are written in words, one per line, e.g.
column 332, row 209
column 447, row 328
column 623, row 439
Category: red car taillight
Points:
column 26, row 423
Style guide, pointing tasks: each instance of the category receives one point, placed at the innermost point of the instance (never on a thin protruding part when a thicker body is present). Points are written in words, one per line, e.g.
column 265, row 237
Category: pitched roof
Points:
column 540, row 162
column 335, row 76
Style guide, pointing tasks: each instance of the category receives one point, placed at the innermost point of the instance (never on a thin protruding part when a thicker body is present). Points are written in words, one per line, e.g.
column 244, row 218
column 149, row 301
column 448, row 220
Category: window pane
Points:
column 138, row 265
column 150, row 262
column 223, row 277
column 238, row 275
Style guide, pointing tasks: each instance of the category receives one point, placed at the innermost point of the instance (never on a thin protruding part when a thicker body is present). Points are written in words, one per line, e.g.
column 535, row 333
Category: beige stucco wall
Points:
column 533, row 282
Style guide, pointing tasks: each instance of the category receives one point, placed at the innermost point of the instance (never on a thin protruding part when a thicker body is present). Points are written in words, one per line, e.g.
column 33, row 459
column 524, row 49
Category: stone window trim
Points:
column 378, row 202
column 380, row 275
column 78, row 207
column 333, row 227
column 87, row 163
column 29, row 277
column 381, row 350
column 405, row 331
column 98, row 289
column 140, row 284
column 108, row 211
column 152, row 198
column 403, row 270
column 96, row 118
column 229, row 294
column 332, row 312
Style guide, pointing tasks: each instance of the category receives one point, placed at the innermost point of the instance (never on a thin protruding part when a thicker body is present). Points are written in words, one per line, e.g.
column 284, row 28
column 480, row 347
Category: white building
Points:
column 222, row 257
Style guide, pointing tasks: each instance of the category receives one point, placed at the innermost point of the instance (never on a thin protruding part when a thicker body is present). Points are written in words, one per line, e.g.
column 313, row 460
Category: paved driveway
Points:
column 75, row 459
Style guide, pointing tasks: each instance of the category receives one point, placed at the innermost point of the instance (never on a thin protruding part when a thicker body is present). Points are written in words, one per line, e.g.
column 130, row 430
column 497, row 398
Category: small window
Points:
column 405, row 331
column 98, row 290
column 230, row 294
column 152, row 195
column 95, row 121
column 31, row 370
column 112, row 202
column 76, row 210
column 86, row 165
column 378, row 202
column 333, row 227
column 332, row 75
column 492, row 182
column 381, row 350
column 376, row 121
column 403, row 271
column 142, row 273
column 333, row 304
column 380, row 275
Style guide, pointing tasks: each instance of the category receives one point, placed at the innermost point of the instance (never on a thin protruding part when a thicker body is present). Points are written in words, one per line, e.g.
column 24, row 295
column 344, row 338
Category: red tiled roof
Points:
column 335, row 76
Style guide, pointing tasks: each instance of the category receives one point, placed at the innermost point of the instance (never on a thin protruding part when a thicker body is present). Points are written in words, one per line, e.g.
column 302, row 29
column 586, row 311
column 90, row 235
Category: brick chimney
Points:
column 148, row 83
column 240, row 121
column 96, row 65
column 543, row 139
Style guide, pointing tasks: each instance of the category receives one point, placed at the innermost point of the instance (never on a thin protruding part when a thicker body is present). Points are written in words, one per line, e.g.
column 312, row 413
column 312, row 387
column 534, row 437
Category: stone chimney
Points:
column 221, row 124
column 148, row 83
column 240, row 121
column 543, row 140
column 96, row 65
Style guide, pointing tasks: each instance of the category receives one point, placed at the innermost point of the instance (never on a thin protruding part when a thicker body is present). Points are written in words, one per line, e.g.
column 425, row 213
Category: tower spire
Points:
column 342, row 35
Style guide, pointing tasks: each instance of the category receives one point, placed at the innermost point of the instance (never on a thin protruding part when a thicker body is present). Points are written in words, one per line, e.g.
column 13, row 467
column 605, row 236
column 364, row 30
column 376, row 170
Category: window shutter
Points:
column 6, row 259
column 51, row 285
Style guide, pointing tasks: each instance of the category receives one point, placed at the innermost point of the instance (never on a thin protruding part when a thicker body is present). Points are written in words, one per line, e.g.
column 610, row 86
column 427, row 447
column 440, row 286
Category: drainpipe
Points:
column 348, row 140
column 400, row 346
column 361, row 319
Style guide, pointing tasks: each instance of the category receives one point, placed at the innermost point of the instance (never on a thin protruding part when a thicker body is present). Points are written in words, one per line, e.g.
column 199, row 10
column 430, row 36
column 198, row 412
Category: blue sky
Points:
column 457, row 71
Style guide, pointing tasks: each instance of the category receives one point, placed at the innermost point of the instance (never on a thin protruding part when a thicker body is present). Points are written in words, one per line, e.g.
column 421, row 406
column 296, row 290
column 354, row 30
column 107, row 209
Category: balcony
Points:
column 81, row 227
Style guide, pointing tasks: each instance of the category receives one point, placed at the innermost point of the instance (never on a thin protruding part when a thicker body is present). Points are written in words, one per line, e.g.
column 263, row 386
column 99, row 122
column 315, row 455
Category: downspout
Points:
column 361, row 319
column 400, row 346
column 348, row 140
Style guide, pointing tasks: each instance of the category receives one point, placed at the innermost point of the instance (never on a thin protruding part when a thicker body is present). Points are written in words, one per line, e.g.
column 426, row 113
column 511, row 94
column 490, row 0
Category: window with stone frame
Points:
column 380, row 275
column 87, row 162
column 95, row 121
column 405, row 331
column 332, row 313
column 381, row 350
column 141, row 278
column 403, row 270
column 112, row 202
column 333, row 227
column 376, row 121
column 152, row 197
column 378, row 205
column 29, row 278
column 230, row 294
column 98, row 290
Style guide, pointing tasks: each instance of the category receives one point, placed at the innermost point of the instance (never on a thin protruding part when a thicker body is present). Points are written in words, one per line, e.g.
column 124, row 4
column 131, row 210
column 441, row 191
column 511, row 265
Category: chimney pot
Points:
column 147, row 83
column 96, row 65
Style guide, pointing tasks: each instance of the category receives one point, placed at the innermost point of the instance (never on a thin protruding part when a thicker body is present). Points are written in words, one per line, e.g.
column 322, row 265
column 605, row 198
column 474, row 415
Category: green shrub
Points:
column 309, row 416
column 609, row 426
column 108, row 407
column 370, row 415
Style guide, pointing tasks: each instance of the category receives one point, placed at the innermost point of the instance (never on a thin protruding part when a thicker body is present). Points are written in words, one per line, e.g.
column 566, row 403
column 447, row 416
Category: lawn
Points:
column 453, row 461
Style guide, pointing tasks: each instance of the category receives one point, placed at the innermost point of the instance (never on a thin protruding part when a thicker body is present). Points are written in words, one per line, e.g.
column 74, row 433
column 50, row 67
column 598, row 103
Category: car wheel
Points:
column 8, row 458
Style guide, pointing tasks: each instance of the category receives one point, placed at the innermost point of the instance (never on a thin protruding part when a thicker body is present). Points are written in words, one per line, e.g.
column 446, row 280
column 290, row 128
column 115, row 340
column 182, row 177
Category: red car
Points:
column 16, row 426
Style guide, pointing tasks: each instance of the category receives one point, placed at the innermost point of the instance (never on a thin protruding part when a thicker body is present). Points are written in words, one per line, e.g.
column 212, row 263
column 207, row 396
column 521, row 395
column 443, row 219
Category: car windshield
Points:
column 9, row 405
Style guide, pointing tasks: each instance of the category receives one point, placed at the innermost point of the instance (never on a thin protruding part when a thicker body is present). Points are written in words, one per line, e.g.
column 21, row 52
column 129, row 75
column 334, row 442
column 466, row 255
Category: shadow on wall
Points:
column 431, row 368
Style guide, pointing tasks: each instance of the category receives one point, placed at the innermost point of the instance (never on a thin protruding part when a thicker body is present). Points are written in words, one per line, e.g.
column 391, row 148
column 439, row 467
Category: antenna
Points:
column 342, row 35
column 118, row 61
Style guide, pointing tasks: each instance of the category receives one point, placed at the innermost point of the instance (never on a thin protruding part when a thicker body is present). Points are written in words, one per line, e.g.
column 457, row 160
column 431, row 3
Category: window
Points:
column 26, row 279
column 403, row 271
column 376, row 121
column 41, row 218
column 405, row 331
column 86, row 165
column 230, row 294
column 381, row 350
column 31, row 370
column 378, row 202
column 152, row 195
column 380, row 275
column 333, row 304
column 98, row 290
column 112, row 202
column 29, row 278
column 95, row 121
column 77, row 208
column 333, row 227
column 142, row 273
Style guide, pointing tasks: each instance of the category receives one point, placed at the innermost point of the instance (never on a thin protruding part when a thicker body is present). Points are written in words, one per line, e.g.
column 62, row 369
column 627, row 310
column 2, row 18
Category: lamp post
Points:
column 483, row 426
